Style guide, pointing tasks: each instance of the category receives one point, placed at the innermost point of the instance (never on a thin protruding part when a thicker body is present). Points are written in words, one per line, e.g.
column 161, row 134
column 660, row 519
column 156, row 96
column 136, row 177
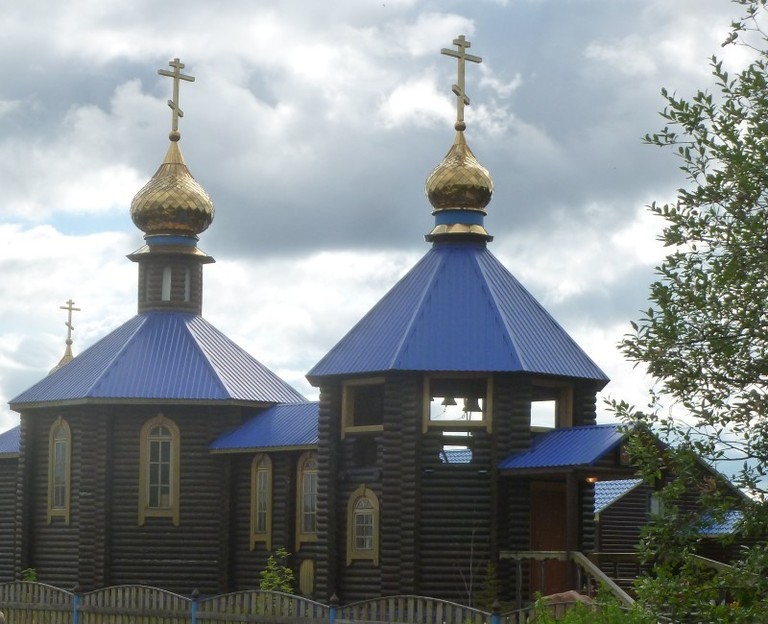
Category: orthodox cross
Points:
column 461, row 97
column 174, row 103
column 70, row 307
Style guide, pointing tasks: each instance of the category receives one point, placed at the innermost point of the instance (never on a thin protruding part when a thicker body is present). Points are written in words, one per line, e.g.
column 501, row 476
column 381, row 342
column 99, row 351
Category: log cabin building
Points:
column 165, row 454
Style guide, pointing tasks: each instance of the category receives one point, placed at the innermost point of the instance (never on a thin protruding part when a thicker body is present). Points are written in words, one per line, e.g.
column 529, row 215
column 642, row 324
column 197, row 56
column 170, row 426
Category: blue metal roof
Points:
column 608, row 492
column 575, row 446
column 727, row 525
column 162, row 356
column 458, row 309
column 10, row 441
column 280, row 426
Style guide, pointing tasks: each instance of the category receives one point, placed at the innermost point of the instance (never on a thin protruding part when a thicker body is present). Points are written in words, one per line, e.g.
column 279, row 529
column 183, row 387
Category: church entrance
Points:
column 548, row 532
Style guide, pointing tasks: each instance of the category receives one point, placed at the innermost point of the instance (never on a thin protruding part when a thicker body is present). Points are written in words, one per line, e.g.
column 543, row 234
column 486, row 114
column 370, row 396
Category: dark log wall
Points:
column 151, row 281
column 329, row 432
column 103, row 543
column 195, row 554
column 247, row 564
column 620, row 524
column 8, row 466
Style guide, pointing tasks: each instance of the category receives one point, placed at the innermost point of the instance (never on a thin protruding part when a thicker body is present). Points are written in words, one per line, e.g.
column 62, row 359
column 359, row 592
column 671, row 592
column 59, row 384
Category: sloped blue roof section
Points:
column 458, row 309
column 281, row 426
column 728, row 524
column 575, row 446
column 608, row 492
column 10, row 442
column 162, row 356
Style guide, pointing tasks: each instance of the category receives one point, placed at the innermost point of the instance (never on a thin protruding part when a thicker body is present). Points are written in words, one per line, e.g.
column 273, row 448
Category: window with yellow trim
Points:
column 261, row 501
column 59, row 470
column 159, row 470
column 362, row 407
column 363, row 526
column 306, row 504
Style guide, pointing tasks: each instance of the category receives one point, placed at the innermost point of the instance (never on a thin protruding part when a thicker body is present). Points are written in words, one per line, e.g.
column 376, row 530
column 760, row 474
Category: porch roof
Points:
column 571, row 447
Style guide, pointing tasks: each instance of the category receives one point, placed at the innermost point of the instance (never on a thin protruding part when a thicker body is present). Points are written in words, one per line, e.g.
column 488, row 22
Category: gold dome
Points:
column 459, row 182
column 172, row 202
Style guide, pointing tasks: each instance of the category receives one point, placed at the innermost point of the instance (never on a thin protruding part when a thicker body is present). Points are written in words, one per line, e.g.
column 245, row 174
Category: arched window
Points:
column 363, row 526
column 59, row 470
column 261, row 501
column 165, row 292
column 306, row 505
column 159, row 470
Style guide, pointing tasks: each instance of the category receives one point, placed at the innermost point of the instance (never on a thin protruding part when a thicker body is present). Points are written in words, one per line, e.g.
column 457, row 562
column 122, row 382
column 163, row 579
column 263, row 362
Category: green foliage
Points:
column 490, row 589
column 704, row 339
column 277, row 576
column 29, row 574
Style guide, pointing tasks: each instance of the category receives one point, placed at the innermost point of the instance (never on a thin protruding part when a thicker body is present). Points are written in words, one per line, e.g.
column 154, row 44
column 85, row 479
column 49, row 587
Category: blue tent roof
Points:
column 10, row 441
column 280, row 426
column 608, row 492
column 458, row 309
column 161, row 356
column 575, row 446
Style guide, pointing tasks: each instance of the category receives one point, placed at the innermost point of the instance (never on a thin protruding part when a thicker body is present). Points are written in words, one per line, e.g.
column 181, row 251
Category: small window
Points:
column 159, row 470
column 59, row 470
column 306, row 507
column 187, row 284
column 363, row 405
column 551, row 406
column 457, row 402
column 307, row 577
column 363, row 526
column 261, row 501
column 656, row 504
column 165, row 293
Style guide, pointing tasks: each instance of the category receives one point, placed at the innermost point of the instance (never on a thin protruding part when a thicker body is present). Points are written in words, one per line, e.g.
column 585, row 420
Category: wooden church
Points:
column 165, row 454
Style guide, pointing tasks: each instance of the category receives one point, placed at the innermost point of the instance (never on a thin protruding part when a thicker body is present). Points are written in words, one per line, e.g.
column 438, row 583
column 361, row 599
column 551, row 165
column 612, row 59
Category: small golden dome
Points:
column 172, row 202
column 459, row 182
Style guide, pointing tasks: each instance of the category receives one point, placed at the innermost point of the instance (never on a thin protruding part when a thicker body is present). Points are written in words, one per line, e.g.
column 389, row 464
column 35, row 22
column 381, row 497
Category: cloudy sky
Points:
column 313, row 126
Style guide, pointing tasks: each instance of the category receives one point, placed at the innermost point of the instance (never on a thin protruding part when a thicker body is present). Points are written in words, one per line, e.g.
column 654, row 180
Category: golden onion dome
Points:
column 459, row 182
column 172, row 202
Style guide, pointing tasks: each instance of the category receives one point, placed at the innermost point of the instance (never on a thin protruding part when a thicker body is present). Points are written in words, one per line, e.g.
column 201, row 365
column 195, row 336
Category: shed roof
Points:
column 171, row 356
column 281, row 426
column 458, row 309
column 574, row 446
column 10, row 441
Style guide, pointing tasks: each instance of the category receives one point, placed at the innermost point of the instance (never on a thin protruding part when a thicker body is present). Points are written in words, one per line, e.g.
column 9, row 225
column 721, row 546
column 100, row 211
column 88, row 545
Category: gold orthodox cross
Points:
column 459, row 89
column 174, row 103
column 70, row 307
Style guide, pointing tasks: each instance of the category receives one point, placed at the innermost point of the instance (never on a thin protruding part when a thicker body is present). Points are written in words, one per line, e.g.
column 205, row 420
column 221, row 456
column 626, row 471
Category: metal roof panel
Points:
column 608, row 492
column 285, row 425
column 10, row 441
column 574, row 446
column 458, row 309
column 162, row 356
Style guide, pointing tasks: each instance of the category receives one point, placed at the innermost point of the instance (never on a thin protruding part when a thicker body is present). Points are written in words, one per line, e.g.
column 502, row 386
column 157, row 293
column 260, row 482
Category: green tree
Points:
column 278, row 575
column 704, row 339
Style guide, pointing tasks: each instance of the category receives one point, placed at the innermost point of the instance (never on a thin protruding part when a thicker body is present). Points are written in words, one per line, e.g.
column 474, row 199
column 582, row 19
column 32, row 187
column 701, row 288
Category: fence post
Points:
column 333, row 605
column 195, row 599
column 76, row 590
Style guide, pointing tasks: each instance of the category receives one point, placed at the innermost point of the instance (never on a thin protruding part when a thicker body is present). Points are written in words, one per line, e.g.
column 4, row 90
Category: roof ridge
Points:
column 206, row 356
column 417, row 309
column 120, row 352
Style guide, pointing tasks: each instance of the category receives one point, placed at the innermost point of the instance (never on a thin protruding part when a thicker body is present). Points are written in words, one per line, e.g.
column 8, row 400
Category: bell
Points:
column 471, row 404
column 449, row 400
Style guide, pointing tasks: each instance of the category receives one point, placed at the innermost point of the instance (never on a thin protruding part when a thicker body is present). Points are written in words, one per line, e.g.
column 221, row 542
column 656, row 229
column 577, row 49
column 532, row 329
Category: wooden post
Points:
column 573, row 513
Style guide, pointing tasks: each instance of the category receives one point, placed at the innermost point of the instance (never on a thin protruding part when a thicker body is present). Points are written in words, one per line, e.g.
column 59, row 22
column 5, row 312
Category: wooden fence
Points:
column 37, row 603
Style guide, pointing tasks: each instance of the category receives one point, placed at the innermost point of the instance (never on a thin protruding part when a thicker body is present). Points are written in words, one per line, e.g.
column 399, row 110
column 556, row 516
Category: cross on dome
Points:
column 174, row 103
column 70, row 307
column 459, row 89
